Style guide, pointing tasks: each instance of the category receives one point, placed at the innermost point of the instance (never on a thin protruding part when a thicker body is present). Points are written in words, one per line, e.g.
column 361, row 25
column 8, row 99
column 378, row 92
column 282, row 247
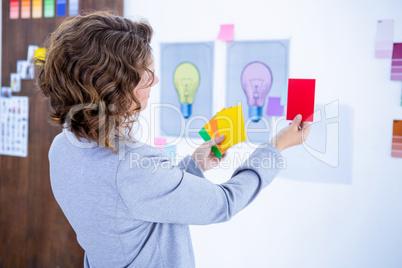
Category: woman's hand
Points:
column 204, row 157
column 294, row 134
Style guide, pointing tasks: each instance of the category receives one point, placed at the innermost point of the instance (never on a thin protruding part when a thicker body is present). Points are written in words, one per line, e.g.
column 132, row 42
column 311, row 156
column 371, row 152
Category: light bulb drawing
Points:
column 186, row 79
column 256, row 80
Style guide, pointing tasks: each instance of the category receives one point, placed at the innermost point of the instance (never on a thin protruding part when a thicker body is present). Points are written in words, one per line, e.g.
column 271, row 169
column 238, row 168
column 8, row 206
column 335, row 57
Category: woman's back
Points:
column 83, row 178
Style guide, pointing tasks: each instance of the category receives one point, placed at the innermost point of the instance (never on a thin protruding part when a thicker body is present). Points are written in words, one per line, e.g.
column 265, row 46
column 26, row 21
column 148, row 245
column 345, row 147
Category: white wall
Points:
column 301, row 224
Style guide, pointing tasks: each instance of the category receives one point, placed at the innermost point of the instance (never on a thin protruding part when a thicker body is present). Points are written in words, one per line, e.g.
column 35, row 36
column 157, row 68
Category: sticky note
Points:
column 61, row 8
column 171, row 152
column 48, row 8
column 73, row 6
column 301, row 99
column 14, row 9
column 396, row 65
column 284, row 95
column 384, row 39
column 226, row 33
column 397, row 139
column 25, row 9
column 274, row 107
column 36, row 9
column 160, row 142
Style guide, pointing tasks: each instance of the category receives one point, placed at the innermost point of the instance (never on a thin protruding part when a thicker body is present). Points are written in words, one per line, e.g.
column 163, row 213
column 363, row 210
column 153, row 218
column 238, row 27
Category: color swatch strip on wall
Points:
column 396, row 68
column 61, row 8
column 49, row 9
column 25, row 9
column 73, row 7
column 397, row 139
column 14, row 9
column 384, row 39
column 37, row 9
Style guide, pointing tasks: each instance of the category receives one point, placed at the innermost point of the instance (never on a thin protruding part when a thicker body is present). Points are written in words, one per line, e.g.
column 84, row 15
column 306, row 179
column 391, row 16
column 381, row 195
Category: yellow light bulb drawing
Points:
column 186, row 79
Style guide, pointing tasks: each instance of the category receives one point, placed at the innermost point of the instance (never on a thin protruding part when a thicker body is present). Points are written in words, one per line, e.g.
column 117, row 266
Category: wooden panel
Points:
column 33, row 230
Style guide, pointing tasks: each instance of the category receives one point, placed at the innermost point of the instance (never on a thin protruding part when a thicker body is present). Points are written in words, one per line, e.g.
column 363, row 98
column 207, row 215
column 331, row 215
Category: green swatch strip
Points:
column 49, row 8
column 205, row 136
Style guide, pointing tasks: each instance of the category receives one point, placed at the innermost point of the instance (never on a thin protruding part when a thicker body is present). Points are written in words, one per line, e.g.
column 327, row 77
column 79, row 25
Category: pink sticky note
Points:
column 226, row 32
column 159, row 142
column 274, row 107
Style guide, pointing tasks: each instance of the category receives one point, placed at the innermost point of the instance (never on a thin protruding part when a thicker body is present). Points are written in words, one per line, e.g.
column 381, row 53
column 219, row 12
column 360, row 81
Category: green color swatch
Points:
column 49, row 8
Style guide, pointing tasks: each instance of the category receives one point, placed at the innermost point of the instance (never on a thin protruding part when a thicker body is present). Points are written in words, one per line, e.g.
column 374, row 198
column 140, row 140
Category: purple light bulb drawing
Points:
column 256, row 80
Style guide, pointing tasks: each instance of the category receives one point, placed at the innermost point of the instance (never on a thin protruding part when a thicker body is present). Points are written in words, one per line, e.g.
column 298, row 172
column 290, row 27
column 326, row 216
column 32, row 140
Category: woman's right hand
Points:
column 294, row 134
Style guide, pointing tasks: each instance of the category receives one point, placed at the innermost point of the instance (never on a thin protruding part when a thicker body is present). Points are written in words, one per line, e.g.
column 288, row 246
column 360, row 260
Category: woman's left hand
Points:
column 204, row 157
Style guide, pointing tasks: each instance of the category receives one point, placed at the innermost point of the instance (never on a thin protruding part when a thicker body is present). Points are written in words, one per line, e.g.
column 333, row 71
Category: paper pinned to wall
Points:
column 397, row 139
column 61, row 8
column 327, row 155
column 14, row 114
column 176, row 99
column 15, row 82
column 273, row 54
column 14, row 9
column 284, row 96
column 226, row 32
column 274, row 107
column 48, row 8
column 73, row 7
column 160, row 142
column 384, row 39
column 25, row 9
column 37, row 9
column 396, row 66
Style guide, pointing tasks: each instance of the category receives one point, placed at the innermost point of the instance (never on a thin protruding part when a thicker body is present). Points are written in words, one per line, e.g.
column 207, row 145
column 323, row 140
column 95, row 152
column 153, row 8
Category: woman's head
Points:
column 97, row 74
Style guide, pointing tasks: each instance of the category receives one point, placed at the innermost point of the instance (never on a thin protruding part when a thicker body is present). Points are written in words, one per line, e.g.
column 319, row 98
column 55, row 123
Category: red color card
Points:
column 396, row 65
column 14, row 9
column 301, row 99
column 397, row 139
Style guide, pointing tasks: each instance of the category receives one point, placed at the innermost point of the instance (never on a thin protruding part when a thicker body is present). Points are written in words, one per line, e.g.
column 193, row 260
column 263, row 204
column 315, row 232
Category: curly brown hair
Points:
column 93, row 63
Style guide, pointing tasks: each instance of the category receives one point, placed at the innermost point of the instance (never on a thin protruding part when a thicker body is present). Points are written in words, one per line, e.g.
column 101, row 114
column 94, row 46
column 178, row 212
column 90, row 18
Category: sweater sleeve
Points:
column 156, row 191
column 188, row 165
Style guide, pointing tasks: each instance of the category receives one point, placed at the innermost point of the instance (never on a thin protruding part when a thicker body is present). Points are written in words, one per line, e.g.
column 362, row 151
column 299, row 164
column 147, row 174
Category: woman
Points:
column 129, row 206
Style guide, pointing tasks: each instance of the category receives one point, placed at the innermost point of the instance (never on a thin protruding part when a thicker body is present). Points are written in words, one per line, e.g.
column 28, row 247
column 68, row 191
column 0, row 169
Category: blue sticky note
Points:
column 170, row 150
column 284, row 95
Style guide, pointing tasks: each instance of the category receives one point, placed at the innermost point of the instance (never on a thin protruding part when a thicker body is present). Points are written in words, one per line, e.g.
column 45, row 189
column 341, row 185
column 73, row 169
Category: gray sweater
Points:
column 134, row 208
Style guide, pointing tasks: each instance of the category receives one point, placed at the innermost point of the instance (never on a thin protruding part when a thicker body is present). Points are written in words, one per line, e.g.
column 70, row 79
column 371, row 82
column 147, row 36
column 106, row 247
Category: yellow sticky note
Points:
column 231, row 124
column 40, row 53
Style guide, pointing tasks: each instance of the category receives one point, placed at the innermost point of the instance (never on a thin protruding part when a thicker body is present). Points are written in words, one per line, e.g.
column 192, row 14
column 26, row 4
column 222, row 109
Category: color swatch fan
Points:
column 228, row 122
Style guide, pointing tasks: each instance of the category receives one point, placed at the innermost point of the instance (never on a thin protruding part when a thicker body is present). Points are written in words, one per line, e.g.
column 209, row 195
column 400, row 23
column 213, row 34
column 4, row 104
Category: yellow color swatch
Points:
column 37, row 9
column 231, row 124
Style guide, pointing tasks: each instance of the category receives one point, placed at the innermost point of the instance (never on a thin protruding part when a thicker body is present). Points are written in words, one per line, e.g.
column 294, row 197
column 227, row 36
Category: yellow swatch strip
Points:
column 37, row 9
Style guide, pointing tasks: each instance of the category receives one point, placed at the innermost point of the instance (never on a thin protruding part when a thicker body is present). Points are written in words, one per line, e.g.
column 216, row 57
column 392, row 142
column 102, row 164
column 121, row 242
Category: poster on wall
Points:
column 256, row 71
column 14, row 113
column 186, row 87
column 327, row 154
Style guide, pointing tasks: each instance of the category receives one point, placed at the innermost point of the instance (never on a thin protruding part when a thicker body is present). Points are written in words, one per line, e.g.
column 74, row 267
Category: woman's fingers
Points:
column 215, row 141
column 306, row 126
column 296, row 121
